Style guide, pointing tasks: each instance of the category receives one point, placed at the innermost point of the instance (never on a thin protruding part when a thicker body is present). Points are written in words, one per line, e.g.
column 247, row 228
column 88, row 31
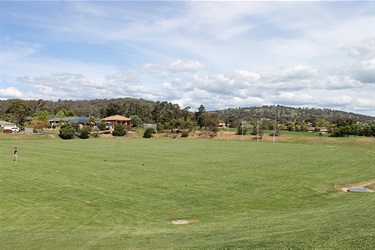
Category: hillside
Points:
column 286, row 114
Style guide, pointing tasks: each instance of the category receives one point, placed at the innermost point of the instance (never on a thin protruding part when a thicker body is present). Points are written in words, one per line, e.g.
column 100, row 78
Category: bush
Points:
column 119, row 130
column 149, row 133
column 85, row 132
column 102, row 125
column 67, row 131
column 185, row 134
column 241, row 130
column 95, row 134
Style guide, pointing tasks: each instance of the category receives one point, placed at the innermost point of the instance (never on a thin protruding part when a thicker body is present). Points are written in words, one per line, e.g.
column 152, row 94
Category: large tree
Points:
column 199, row 116
column 18, row 112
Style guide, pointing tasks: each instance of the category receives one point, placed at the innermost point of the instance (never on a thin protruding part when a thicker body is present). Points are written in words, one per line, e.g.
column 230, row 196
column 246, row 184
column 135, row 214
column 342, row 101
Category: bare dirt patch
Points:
column 181, row 222
column 370, row 185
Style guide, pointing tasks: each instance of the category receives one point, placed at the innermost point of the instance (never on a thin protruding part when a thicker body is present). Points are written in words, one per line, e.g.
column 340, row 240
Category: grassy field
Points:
column 122, row 193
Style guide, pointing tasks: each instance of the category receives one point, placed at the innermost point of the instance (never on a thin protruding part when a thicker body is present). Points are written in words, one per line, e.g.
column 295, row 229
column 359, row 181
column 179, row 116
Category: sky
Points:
column 220, row 54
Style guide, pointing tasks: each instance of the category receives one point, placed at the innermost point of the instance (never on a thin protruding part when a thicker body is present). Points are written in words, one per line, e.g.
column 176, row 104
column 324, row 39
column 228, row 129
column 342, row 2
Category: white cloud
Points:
column 9, row 93
column 363, row 51
column 178, row 66
column 15, row 49
column 220, row 54
column 292, row 98
column 340, row 82
column 185, row 66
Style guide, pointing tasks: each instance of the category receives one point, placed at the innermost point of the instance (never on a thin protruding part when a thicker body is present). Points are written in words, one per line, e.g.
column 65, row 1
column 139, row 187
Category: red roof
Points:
column 117, row 118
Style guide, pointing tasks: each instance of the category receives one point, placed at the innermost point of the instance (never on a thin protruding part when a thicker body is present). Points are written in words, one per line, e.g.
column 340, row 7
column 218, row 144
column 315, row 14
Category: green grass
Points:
column 120, row 193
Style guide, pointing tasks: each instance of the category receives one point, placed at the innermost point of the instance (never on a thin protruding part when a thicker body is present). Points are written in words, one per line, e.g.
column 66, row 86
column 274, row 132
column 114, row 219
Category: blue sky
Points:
column 222, row 54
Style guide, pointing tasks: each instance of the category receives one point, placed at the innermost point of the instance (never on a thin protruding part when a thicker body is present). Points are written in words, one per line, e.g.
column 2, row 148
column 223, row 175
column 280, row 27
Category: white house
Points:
column 7, row 125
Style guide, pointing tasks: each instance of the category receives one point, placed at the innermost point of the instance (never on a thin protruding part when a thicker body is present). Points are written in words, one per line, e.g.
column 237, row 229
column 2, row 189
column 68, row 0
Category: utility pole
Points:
column 228, row 131
column 242, row 129
column 258, row 130
column 274, row 130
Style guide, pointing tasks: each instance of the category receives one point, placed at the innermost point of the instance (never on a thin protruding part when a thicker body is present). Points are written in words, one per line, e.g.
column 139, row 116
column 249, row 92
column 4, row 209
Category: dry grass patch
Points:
column 370, row 185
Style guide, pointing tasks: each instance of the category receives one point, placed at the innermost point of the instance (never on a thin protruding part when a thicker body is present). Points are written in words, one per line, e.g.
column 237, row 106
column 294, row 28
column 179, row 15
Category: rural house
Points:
column 7, row 125
column 117, row 119
column 57, row 121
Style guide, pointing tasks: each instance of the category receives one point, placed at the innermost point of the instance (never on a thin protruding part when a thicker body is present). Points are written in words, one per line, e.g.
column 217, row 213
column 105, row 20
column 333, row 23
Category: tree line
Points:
column 171, row 117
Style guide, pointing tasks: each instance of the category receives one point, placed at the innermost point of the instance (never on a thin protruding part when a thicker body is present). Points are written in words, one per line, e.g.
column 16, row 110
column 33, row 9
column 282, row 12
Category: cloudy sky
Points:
column 222, row 54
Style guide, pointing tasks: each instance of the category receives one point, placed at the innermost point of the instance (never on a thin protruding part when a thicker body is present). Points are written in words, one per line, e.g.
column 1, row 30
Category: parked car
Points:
column 15, row 129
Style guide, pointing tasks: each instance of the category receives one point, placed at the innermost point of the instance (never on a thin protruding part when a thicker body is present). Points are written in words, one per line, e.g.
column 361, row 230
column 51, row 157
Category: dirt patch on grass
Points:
column 370, row 185
column 182, row 222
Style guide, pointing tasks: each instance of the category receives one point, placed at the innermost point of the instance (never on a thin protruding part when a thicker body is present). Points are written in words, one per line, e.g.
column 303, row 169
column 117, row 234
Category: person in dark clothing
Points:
column 15, row 154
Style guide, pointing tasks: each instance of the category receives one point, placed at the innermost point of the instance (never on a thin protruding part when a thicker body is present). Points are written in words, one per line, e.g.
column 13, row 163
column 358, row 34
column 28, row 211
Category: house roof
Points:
column 65, row 119
column 117, row 118
column 80, row 120
column 2, row 123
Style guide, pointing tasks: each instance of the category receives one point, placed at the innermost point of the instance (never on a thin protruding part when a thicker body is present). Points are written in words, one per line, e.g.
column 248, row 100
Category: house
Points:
column 324, row 130
column 7, row 125
column 222, row 125
column 311, row 129
column 117, row 119
column 57, row 121
column 84, row 121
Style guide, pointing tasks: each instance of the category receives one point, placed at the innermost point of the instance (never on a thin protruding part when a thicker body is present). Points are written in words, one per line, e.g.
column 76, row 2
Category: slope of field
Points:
column 124, row 193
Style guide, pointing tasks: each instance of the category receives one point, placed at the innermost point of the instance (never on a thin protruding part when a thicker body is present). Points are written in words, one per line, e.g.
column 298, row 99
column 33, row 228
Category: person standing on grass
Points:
column 15, row 154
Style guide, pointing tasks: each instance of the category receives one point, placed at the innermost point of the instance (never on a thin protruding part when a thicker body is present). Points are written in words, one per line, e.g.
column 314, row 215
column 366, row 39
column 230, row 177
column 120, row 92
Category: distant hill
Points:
column 286, row 114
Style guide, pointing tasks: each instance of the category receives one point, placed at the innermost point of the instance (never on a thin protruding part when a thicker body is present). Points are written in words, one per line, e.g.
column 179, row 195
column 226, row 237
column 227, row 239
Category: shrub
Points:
column 149, row 133
column 95, row 134
column 67, row 131
column 185, row 134
column 119, row 130
column 85, row 132
column 102, row 125
column 242, row 129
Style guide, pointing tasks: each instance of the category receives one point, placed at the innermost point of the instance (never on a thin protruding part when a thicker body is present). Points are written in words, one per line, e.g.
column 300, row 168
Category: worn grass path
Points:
column 121, row 194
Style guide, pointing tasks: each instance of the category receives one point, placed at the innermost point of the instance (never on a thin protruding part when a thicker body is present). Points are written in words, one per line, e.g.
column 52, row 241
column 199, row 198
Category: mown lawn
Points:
column 121, row 193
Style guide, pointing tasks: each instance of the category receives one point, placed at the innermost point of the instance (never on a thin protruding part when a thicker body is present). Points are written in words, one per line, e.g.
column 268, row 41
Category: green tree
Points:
column 210, row 121
column 242, row 130
column 259, row 128
column 91, row 120
column 18, row 112
column 368, row 130
column 85, row 132
column 136, row 120
column 113, row 108
column 159, row 109
column 70, row 112
column 321, row 122
column 199, row 116
column 168, row 120
column 232, row 121
column 38, row 125
column 67, row 131
column 102, row 125
column 355, row 130
column 149, row 133
column 61, row 113
column 43, row 115
column 119, row 130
